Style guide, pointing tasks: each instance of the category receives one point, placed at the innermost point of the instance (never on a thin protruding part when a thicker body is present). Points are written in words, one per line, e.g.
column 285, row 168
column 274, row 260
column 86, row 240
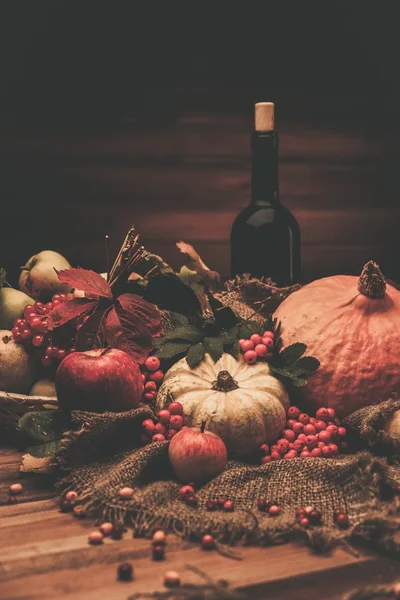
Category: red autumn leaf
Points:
column 128, row 332
column 92, row 334
column 69, row 310
column 93, row 284
column 142, row 310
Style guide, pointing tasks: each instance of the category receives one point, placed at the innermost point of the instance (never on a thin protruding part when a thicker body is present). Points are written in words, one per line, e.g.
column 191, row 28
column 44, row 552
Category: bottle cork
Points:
column 264, row 116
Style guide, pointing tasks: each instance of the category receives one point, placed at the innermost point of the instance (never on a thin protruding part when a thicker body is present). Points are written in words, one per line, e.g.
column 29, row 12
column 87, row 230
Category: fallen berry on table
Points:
column 315, row 517
column 79, row 512
column 211, row 504
column 125, row 572
column 186, row 492
column 159, row 538
column 15, row 489
column 342, row 520
column 66, row 506
column 95, row 537
column 106, row 528
column 71, row 496
column 229, row 506
column 172, row 579
column 175, row 408
column 207, row 542
column 158, row 552
column 12, row 500
column 118, row 531
column 274, row 510
column 125, row 493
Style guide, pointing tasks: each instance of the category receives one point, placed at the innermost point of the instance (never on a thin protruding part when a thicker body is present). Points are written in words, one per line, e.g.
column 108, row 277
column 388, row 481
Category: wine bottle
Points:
column 265, row 237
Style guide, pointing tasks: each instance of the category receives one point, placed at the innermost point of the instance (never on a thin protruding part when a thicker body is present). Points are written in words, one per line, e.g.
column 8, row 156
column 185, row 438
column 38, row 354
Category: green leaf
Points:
column 214, row 347
column 224, row 316
column 300, row 382
column 281, row 371
column 178, row 320
column 44, row 450
column 171, row 348
column 3, row 276
column 167, row 291
column 228, row 336
column 42, row 427
column 290, row 354
column 307, row 364
column 195, row 355
column 191, row 278
column 247, row 328
column 188, row 333
column 234, row 350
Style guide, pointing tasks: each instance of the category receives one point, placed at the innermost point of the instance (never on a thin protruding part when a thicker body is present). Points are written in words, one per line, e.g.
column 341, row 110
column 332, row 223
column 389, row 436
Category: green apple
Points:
column 17, row 370
column 39, row 278
column 12, row 304
column 44, row 387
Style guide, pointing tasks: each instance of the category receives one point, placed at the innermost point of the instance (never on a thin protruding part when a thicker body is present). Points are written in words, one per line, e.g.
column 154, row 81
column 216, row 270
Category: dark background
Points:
column 114, row 113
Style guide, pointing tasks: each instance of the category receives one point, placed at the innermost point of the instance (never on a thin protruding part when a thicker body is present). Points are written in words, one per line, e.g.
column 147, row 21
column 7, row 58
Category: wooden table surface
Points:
column 44, row 554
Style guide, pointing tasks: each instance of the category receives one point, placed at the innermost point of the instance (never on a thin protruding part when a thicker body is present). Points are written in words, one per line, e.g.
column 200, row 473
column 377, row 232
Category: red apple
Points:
column 99, row 380
column 197, row 454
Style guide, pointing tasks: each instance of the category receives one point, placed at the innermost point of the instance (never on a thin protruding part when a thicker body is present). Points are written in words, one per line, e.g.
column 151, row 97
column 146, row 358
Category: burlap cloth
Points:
column 103, row 453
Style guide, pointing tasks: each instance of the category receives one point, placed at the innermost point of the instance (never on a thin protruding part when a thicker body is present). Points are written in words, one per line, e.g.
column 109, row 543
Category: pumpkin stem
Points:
column 372, row 282
column 224, row 382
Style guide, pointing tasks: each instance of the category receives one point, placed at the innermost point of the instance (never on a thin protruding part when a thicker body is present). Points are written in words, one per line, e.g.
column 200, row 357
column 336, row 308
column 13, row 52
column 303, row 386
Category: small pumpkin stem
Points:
column 224, row 382
column 372, row 282
column 203, row 426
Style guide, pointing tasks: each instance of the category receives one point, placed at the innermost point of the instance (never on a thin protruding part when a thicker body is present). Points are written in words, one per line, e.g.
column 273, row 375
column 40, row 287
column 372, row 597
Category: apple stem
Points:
column 106, row 350
column 203, row 426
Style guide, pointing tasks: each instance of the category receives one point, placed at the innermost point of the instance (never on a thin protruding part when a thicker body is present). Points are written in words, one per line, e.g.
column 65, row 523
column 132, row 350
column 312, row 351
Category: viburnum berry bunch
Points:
column 257, row 347
column 168, row 423
column 49, row 347
column 152, row 377
column 321, row 436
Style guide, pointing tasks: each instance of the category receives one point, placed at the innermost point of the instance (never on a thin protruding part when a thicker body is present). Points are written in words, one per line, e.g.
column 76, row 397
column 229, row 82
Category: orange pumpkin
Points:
column 352, row 325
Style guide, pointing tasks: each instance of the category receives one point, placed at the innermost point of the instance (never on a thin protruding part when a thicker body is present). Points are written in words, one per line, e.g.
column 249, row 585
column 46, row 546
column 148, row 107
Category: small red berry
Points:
column 327, row 451
column 228, row 506
column 158, row 437
column 61, row 354
column 175, row 408
column 319, row 425
column 221, row 502
column 261, row 350
column 164, row 416
column 207, row 542
column 282, row 445
column 144, row 378
column 250, row 357
column 266, row 459
column 152, row 363
column 293, row 412
column 291, row 454
column 264, row 449
column 289, row 434
column 325, row 436
column 275, row 455
column 305, row 454
column 308, row 509
column 322, row 414
column 298, row 445
column 312, row 441
column 300, row 513
column 269, row 334
column 298, row 427
column 302, row 438
column 192, row 500
column 246, row 346
column 157, row 377
column 160, row 428
column 149, row 396
column 342, row 520
column 274, row 510
column 321, row 445
column 309, row 429
column 186, row 491
column 342, row 432
column 303, row 418
column 171, row 433
column 211, row 504
column 331, row 413
column 47, row 361
column 268, row 342
column 334, row 449
column 290, row 423
column 333, row 430
column 256, row 339
column 148, row 425
column 304, row 522
column 315, row 517
column 312, row 420
column 176, row 422
column 316, row 452
column 37, row 340
column 150, row 386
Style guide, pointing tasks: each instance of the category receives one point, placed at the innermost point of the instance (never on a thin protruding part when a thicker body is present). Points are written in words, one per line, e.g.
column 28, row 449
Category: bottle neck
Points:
column 264, row 168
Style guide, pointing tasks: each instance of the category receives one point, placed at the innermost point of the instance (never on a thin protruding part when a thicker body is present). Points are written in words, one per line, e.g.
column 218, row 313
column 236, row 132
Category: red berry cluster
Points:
column 270, row 507
column 33, row 333
column 152, row 379
column 187, row 495
column 308, row 516
column 169, row 423
column 305, row 436
column 258, row 347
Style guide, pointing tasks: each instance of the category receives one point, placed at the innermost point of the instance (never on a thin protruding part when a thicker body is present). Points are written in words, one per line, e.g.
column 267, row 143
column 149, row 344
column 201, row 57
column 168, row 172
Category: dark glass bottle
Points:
column 265, row 237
